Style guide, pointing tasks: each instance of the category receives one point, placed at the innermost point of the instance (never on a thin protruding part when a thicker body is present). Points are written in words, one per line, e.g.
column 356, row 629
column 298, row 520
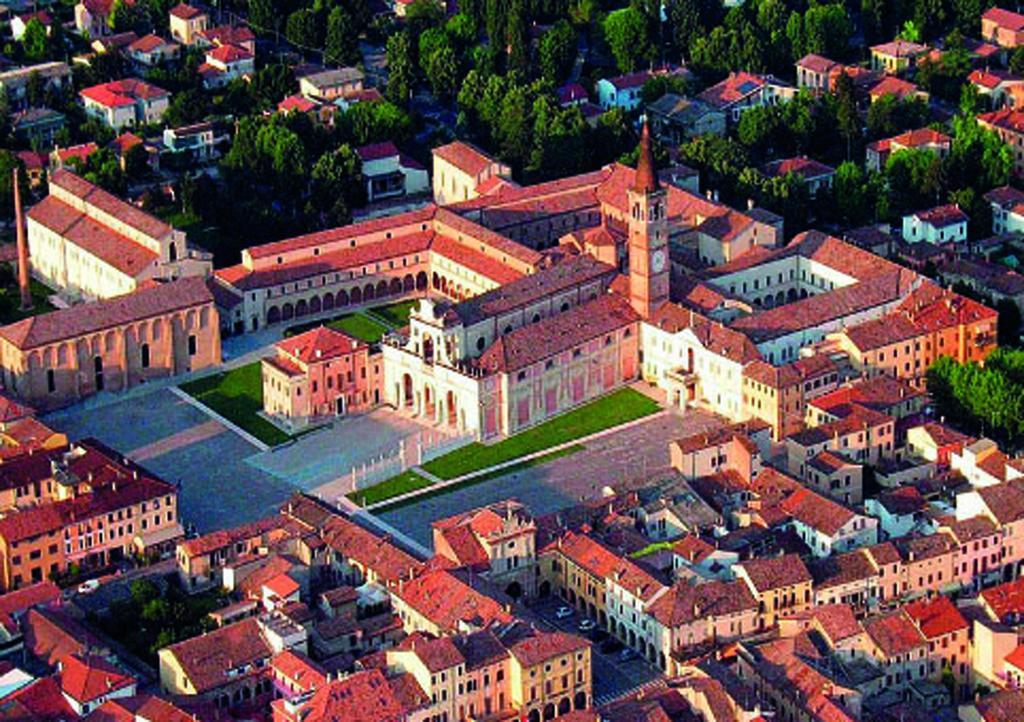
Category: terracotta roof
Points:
column 210, row 660
column 713, row 336
column 536, row 647
column 556, row 334
column 965, row 530
column 837, row 621
column 816, row 63
column 87, row 678
column 51, row 635
column 377, row 151
column 474, row 260
column 38, row 701
column 282, row 586
column 97, row 239
column 1007, row 704
column 15, row 603
column 448, row 602
column 229, row 54
column 802, row 166
column 904, row 500
column 900, row 49
column 1005, row 599
column 919, row 548
column 545, row 283
column 894, row 634
column 841, row 569
column 318, row 344
column 437, row 654
column 1004, row 18
column 127, row 91
column 685, row 603
column 464, row 156
column 222, row 538
column 919, row 137
column 818, row 512
column 733, row 89
column 942, row 216
column 645, row 180
column 297, row 102
column 108, row 313
column 883, row 553
column 1007, row 119
column 139, row 708
column 352, row 541
column 148, row 43
column 110, row 204
column 936, row 617
column 891, row 85
column 767, row 573
column 186, row 12
column 229, row 35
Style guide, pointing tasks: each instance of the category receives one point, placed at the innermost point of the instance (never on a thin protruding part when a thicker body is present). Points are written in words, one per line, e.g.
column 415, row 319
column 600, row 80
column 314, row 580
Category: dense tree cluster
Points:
column 985, row 399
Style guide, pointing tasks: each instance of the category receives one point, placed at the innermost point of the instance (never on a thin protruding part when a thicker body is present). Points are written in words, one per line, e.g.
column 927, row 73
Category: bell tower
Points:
column 648, row 234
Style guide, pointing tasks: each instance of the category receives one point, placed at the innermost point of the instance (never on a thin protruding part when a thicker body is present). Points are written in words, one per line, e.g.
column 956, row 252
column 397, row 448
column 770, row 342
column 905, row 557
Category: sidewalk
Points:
column 440, row 484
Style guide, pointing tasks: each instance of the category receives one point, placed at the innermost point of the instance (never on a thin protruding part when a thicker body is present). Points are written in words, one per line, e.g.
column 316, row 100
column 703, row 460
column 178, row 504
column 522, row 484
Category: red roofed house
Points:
column 460, row 168
column 899, row 647
column 948, row 635
column 89, row 681
column 896, row 87
column 390, row 173
column 781, row 586
column 225, row 63
column 878, row 152
column 497, row 540
column 92, row 16
column 1009, row 126
column 1005, row 28
column 186, row 23
column 439, row 601
column 938, row 226
column 896, row 57
column 995, row 84
column 814, row 174
column 813, row 72
column 744, row 90
column 237, row 35
column 826, row 526
column 320, row 373
column 127, row 102
column 89, row 244
column 150, row 50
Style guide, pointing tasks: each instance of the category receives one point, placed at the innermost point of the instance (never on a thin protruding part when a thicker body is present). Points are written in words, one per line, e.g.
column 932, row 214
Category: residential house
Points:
column 238, row 35
column 460, row 169
column 621, row 91
column 814, row 72
column 936, row 442
column 37, row 126
column 1007, row 210
column 1003, row 504
column 187, row 23
column 743, row 90
column 899, row 647
column 152, row 50
column 92, row 17
column 1008, row 124
column 948, row 636
column 899, row 511
column 89, row 681
column 439, row 601
column 675, row 119
column 56, row 75
column 195, row 143
column 897, row 57
column 979, row 559
column 929, row 564
column 330, row 85
column 994, row 84
column 826, row 526
column 224, row 64
column 897, row 88
column 939, row 225
column 1003, row 27
column 815, row 175
column 125, row 103
column 391, row 174
column 878, row 152
column 781, row 585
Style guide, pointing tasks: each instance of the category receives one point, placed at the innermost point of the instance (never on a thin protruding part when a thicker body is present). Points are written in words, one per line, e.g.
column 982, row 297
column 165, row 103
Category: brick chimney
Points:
column 19, row 220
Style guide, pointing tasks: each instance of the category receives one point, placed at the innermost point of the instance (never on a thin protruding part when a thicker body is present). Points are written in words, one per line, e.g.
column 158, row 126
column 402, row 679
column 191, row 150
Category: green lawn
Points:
column 611, row 410
column 543, row 459
column 396, row 314
column 395, row 486
column 651, row 549
column 354, row 324
column 237, row 395
column 10, row 297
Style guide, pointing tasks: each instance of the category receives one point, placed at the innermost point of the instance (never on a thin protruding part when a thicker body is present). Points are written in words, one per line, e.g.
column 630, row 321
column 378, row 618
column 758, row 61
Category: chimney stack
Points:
column 19, row 220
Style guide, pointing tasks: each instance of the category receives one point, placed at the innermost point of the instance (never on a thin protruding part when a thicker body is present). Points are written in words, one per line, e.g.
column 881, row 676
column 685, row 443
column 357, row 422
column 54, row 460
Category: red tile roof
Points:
column 816, row 63
column 936, row 617
column 378, row 151
column 685, row 603
column 805, row 167
column 900, row 49
column 436, row 654
column 211, row 660
column 299, row 670
column 734, row 88
column 767, row 573
column 282, row 586
column 464, row 156
column 354, row 542
column 448, row 602
column 222, row 538
column 229, row 54
column 96, row 316
column 714, row 336
column 87, row 678
column 110, row 204
column 39, row 701
column 942, row 216
column 817, row 512
column 538, row 647
column 318, row 344
column 365, row 696
column 148, row 43
column 15, row 603
column 891, row 85
column 556, row 334
column 837, row 621
column 185, row 11
column 118, row 93
column 139, row 708
column 894, row 634
column 1004, row 18
column 229, row 35
column 1007, row 119
column 1005, row 599
column 297, row 102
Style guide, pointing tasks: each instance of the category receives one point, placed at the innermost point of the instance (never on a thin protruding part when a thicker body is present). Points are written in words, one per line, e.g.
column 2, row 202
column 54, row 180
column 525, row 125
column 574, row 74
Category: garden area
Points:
column 356, row 325
column 237, row 395
column 156, row 615
column 395, row 314
column 10, row 297
column 616, row 408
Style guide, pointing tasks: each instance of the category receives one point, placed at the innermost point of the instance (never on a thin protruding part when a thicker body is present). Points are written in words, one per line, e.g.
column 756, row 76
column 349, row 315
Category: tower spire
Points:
column 646, row 180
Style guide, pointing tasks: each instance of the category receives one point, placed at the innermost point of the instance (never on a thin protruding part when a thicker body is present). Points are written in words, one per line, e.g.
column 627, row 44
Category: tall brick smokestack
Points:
column 19, row 219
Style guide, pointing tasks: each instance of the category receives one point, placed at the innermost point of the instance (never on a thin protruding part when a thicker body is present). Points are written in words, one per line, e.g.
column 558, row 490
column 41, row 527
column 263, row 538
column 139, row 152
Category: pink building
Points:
column 980, row 552
column 320, row 373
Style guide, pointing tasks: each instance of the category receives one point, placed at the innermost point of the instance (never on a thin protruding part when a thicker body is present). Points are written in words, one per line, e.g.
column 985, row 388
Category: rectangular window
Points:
column 192, row 345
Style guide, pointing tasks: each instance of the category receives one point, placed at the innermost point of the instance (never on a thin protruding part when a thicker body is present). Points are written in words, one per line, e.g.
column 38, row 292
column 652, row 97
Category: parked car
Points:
column 586, row 625
column 89, row 586
column 563, row 613
column 627, row 654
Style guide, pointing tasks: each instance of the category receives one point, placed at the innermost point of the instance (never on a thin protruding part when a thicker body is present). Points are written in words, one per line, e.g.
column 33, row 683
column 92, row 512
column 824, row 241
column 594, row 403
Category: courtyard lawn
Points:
column 356, row 325
column 10, row 297
column 616, row 408
column 395, row 486
column 237, row 395
column 396, row 314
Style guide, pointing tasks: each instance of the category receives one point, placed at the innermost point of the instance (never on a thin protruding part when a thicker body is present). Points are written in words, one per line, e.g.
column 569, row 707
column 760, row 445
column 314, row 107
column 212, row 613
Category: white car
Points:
column 89, row 586
column 586, row 625
column 563, row 613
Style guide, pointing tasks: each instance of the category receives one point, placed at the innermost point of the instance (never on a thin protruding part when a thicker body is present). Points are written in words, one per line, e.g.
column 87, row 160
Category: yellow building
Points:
column 549, row 674
column 781, row 586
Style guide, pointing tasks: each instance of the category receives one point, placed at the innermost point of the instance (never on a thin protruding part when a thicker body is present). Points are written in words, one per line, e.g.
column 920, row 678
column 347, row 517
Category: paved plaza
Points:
column 619, row 459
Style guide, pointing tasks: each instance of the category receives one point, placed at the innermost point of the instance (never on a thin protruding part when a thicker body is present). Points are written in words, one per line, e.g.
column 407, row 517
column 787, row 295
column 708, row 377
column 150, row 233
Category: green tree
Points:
column 125, row 16
column 1008, row 326
column 557, row 52
column 271, row 83
column 442, row 70
column 915, row 179
column 1017, row 61
column 337, row 186
column 759, row 128
column 341, row 45
column 263, row 16
column 35, row 41
column 8, row 162
column 517, row 35
column 847, row 117
column 625, row 31
column 375, row 122
column 304, row 29
column 930, row 17
column 827, row 30
column 401, row 68
column 684, row 18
